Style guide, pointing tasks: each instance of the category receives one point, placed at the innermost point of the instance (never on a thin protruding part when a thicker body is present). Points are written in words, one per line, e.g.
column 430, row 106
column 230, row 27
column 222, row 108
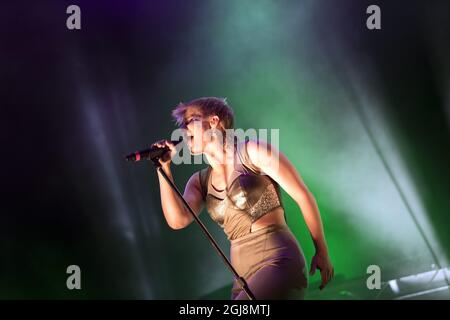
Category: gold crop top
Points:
column 249, row 196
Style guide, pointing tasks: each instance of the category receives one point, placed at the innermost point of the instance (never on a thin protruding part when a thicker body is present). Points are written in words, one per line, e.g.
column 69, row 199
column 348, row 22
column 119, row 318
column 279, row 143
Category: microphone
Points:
column 150, row 153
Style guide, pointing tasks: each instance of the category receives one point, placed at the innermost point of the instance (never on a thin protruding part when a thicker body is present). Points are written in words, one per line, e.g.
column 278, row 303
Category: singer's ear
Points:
column 214, row 121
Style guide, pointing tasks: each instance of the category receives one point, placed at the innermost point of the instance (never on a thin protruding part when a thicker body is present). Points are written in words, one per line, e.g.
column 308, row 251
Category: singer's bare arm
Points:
column 275, row 164
column 175, row 213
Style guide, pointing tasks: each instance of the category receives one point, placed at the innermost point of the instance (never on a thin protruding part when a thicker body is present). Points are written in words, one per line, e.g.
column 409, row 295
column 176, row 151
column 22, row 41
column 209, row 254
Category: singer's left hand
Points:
column 322, row 262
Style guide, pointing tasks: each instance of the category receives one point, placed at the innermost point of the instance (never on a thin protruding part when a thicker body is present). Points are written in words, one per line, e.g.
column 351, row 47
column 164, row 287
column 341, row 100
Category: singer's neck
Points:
column 219, row 156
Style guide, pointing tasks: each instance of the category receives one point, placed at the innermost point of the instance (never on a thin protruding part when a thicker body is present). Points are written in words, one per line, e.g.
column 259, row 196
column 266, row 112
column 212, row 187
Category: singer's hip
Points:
column 273, row 249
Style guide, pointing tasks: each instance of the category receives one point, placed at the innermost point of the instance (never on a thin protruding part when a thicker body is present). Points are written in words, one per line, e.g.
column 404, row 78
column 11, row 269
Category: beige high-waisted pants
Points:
column 271, row 262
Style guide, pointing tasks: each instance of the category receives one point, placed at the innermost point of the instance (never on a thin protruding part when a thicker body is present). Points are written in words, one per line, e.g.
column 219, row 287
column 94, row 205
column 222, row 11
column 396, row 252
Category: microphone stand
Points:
column 239, row 279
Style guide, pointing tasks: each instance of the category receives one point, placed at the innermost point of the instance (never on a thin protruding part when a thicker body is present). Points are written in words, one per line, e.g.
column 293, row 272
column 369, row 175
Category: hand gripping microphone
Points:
column 150, row 153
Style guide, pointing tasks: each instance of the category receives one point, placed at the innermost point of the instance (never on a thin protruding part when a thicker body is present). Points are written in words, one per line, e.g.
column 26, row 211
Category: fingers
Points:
column 323, row 275
column 313, row 267
column 163, row 144
column 325, row 267
column 158, row 144
column 165, row 157
column 330, row 274
column 326, row 275
column 170, row 145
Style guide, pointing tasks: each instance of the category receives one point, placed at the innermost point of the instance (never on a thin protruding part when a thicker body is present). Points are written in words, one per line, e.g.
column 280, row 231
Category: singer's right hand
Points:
column 166, row 158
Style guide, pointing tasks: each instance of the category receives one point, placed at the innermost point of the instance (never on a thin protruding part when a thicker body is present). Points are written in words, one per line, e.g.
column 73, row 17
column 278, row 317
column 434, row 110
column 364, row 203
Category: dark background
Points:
column 74, row 102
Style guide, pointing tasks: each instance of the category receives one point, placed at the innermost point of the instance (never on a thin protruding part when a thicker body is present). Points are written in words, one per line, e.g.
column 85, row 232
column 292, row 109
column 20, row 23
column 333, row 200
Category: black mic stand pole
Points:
column 239, row 279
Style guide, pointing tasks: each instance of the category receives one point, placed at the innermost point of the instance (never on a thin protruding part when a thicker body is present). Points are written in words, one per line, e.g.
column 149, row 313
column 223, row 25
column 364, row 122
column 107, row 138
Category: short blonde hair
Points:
column 208, row 106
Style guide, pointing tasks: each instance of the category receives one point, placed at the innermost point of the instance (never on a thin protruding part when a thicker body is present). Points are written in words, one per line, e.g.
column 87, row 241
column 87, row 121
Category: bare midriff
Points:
column 275, row 216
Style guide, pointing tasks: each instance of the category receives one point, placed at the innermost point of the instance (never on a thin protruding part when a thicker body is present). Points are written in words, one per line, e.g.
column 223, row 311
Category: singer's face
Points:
column 195, row 125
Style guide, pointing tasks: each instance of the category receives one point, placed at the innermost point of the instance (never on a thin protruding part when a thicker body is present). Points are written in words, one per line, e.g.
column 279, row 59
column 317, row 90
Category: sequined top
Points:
column 249, row 196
